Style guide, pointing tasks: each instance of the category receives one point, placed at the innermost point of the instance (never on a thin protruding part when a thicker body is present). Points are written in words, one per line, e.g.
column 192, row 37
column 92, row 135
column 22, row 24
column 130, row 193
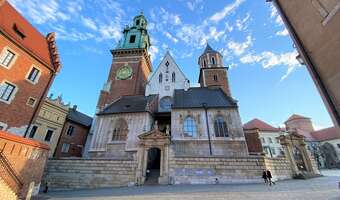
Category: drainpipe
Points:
column 207, row 123
column 308, row 59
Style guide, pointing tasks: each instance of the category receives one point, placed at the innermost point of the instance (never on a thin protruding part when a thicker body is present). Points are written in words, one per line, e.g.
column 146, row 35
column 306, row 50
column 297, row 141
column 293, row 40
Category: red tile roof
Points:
column 295, row 116
column 33, row 41
column 259, row 124
column 326, row 134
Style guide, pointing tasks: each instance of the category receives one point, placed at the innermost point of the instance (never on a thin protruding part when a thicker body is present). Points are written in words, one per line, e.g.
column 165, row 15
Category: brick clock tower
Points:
column 130, row 64
column 212, row 71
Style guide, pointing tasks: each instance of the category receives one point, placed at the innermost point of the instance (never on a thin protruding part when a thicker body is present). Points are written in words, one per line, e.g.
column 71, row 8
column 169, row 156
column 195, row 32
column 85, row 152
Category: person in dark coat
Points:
column 264, row 176
column 269, row 177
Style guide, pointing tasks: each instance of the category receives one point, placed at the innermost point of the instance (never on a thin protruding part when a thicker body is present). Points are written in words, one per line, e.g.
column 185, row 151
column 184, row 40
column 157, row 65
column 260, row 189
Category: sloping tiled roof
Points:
column 79, row 117
column 306, row 134
column 195, row 97
column 295, row 116
column 129, row 104
column 33, row 41
column 208, row 49
column 326, row 134
column 259, row 124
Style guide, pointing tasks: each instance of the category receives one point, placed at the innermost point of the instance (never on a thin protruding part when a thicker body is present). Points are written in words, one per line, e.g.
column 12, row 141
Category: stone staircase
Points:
column 6, row 192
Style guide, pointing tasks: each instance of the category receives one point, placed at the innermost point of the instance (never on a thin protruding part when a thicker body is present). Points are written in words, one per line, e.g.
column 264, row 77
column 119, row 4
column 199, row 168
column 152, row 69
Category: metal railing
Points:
column 8, row 174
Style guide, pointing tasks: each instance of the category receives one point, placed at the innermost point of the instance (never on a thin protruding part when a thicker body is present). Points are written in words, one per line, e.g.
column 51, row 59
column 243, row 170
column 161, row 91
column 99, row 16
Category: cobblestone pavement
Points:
column 322, row 188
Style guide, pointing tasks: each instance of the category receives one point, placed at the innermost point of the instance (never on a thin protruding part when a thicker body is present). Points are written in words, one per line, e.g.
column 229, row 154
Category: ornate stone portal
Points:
column 154, row 139
column 297, row 154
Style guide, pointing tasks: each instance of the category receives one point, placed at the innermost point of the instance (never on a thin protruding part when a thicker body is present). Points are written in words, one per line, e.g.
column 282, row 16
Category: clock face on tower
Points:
column 123, row 73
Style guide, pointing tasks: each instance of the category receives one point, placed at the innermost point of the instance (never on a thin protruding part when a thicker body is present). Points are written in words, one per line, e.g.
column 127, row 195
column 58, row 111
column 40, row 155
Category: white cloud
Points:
column 172, row 38
column 269, row 59
column 242, row 24
column 41, row 12
column 153, row 51
column 227, row 10
column 110, row 31
column 284, row 32
column 170, row 18
column 239, row 48
column 193, row 5
column 89, row 23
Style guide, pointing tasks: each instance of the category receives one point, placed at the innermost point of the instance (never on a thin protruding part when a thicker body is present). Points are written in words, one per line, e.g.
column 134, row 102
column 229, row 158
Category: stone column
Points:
column 290, row 157
column 139, row 172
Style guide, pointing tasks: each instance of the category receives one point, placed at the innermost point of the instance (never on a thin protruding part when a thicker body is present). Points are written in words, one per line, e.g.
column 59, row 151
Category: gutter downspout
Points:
column 308, row 60
column 206, row 120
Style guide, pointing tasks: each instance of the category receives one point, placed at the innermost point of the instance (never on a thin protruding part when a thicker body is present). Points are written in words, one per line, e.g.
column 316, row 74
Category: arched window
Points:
column 213, row 60
column 120, row 130
column 173, row 77
column 204, row 63
column 160, row 77
column 215, row 78
column 189, row 127
column 220, row 125
column 165, row 104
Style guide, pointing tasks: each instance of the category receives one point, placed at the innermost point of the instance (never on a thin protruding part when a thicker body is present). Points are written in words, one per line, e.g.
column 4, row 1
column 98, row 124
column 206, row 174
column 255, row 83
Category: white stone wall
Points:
column 231, row 116
column 138, row 123
column 166, row 88
column 234, row 145
column 270, row 141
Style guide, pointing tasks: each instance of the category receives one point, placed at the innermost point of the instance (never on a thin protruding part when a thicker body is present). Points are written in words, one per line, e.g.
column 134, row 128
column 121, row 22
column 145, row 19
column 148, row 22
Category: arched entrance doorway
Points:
column 330, row 155
column 299, row 159
column 153, row 166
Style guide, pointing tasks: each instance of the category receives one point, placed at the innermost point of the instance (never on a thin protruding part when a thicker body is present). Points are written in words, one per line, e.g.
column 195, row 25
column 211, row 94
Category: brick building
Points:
column 314, row 26
column 74, row 134
column 22, row 163
column 262, row 137
column 28, row 64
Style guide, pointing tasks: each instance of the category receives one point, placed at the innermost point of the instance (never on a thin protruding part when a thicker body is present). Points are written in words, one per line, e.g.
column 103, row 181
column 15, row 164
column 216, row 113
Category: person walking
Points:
column 264, row 176
column 269, row 177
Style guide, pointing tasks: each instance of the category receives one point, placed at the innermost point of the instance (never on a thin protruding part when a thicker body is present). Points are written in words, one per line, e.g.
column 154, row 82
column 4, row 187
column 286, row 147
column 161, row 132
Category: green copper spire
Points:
column 135, row 36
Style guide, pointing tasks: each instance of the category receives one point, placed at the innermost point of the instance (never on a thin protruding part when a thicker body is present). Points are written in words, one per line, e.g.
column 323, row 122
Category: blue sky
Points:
column 264, row 75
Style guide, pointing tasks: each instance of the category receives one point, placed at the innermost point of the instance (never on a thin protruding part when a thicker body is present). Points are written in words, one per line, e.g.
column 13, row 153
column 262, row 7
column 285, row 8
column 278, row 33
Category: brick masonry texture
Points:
column 27, row 158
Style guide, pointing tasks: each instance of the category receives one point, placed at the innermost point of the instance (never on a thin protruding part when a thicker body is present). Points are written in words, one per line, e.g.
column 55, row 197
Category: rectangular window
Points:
column 6, row 91
column 31, row 101
column 7, row 58
column 33, row 75
column 338, row 146
column 132, row 39
column 137, row 22
column 65, row 148
column 33, row 131
column 70, row 130
column 48, row 135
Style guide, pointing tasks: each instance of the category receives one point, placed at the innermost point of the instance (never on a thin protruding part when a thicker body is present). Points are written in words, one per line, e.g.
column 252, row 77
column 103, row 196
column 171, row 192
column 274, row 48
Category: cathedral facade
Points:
column 155, row 118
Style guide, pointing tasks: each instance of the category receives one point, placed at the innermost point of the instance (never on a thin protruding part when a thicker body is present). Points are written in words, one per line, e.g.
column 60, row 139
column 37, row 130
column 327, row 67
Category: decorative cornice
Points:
column 53, row 51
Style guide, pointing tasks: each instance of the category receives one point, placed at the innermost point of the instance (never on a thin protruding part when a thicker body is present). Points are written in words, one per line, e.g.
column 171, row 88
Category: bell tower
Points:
column 130, row 66
column 212, row 70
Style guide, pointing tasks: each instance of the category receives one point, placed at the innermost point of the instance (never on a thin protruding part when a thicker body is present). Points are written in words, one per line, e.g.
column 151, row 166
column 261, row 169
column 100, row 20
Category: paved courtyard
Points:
column 322, row 188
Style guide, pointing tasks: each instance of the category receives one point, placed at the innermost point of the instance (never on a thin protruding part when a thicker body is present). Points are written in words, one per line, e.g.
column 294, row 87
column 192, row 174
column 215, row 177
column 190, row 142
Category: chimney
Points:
column 74, row 107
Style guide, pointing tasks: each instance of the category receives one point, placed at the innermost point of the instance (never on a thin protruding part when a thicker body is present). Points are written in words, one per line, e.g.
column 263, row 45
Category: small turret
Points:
column 212, row 71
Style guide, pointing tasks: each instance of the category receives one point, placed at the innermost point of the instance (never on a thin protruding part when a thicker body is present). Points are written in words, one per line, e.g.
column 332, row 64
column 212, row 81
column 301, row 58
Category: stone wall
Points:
column 194, row 170
column 279, row 167
column 80, row 173
column 200, row 170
